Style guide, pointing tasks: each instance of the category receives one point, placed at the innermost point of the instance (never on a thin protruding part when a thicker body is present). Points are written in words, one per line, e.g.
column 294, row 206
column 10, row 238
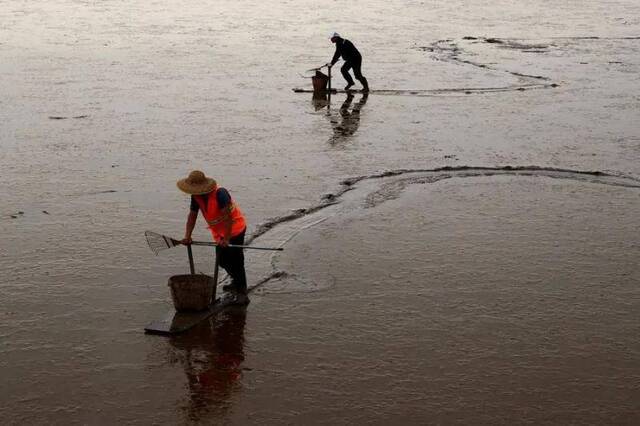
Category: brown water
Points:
column 472, row 295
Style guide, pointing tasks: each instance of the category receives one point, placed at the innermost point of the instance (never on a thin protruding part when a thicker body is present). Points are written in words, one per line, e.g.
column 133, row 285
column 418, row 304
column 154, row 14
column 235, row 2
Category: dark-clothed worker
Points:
column 225, row 221
column 352, row 59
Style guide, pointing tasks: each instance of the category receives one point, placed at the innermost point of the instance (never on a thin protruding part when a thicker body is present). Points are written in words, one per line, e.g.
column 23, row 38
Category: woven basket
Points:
column 191, row 292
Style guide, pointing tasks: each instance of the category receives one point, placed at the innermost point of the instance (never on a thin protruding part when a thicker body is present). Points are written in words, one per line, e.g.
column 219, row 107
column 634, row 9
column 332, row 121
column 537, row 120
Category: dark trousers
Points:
column 232, row 260
column 357, row 72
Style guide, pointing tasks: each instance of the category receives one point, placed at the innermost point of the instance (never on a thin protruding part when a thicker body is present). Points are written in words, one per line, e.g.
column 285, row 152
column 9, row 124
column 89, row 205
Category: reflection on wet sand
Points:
column 211, row 355
column 320, row 100
column 347, row 122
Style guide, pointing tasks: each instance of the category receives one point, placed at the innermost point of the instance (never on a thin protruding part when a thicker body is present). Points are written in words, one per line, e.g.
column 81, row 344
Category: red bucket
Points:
column 319, row 81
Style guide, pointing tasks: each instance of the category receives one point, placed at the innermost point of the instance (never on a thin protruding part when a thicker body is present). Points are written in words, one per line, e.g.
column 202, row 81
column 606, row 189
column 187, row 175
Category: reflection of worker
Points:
column 349, row 120
column 319, row 101
column 352, row 59
column 212, row 354
column 226, row 223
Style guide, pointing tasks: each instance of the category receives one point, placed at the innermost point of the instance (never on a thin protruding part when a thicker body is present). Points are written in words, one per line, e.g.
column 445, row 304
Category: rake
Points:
column 319, row 68
column 158, row 242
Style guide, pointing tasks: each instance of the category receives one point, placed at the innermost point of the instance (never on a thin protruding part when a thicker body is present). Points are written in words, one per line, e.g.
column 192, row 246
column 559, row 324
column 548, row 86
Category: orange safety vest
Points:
column 214, row 216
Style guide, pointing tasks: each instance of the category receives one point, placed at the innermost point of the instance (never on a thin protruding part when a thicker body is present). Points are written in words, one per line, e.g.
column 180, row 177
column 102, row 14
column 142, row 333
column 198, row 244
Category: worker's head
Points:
column 196, row 183
column 335, row 37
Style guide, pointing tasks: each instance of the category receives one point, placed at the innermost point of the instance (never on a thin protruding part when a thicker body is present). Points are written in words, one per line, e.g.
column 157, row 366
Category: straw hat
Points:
column 196, row 184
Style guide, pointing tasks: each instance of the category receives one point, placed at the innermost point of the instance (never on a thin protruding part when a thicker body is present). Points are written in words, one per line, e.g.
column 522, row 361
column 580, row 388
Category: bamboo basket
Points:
column 191, row 292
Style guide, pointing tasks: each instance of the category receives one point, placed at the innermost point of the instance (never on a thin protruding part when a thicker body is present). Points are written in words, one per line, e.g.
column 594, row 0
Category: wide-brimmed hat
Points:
column 196, row 183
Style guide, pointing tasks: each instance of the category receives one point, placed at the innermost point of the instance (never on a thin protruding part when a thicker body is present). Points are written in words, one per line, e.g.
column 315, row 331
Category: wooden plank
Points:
column 437, row 92
column 179, row 322
column 334, row 91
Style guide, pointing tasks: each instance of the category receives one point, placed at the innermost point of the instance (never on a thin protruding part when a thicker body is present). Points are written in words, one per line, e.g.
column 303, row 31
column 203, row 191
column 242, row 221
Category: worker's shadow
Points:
column 211, row 355
column 347, row 121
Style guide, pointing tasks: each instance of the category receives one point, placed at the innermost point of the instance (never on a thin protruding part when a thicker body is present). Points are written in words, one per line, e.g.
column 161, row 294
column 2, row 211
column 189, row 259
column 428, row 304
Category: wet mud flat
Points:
column 498, row 293
column 489, row 299
column 459, row 245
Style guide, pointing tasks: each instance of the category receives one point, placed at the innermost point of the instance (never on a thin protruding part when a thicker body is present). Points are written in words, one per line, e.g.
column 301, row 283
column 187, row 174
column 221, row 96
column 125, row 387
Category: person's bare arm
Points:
column 191, row 223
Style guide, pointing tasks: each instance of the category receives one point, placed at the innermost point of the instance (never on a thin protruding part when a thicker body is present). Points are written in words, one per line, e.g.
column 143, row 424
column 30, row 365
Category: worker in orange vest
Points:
column 225, row 221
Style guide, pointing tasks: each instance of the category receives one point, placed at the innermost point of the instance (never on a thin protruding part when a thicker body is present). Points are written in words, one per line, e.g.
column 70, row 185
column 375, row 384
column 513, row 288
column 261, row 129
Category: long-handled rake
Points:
column 318, row 68
column 158, row 242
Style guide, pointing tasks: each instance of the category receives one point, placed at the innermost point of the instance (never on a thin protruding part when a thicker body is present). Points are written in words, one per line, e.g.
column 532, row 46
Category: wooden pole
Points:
column 215, row 276
column 191, row 268
column 329, row 95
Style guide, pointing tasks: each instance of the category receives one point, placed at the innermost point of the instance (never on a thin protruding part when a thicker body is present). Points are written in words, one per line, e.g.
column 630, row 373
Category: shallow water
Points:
column 473, row 295
column 482, row 305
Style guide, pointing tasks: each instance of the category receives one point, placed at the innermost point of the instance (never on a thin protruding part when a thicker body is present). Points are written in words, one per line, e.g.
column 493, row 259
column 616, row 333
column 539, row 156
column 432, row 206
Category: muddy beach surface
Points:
column 460, row 246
